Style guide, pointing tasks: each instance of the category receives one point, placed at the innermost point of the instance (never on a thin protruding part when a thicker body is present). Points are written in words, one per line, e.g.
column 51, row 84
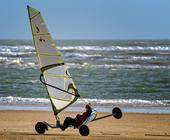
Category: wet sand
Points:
column 18, row 125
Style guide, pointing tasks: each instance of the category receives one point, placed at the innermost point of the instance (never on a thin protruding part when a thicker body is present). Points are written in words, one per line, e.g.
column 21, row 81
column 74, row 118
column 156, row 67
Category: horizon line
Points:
column 91, row 39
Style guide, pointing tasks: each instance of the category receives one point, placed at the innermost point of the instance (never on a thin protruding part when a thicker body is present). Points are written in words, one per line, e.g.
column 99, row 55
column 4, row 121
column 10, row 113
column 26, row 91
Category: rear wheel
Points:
column 40, row 127
column 84, row 130
column 117, row 113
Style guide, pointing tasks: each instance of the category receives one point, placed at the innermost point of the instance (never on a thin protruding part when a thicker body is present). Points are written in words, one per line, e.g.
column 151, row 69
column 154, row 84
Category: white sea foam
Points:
column 14, row 56
column 23, row 101
column 19, row 63
column 10, row 61
column 144, row 57
column 81, row 102
column 81, row 55
column 116, row 66
column 16, row 63
column 27, row 48
column 16, row 50
column 116, row 48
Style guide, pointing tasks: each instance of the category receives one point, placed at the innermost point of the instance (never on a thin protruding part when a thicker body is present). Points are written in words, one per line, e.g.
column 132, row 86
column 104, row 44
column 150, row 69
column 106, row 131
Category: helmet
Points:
column 88, row 106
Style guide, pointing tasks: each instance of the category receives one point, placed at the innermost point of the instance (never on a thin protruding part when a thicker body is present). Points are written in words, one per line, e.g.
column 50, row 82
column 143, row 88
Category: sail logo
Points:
column 37, row 29
column 41, row 39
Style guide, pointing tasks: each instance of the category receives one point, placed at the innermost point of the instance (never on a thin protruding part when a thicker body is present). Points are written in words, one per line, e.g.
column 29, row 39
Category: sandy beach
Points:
column 18, row 125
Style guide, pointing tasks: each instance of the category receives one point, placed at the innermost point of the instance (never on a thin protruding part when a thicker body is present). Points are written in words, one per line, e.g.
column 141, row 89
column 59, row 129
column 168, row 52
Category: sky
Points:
column 89, row 19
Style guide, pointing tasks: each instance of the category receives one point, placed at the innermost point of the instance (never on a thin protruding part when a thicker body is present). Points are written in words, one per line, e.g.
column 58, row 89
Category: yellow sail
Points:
column 59, row 84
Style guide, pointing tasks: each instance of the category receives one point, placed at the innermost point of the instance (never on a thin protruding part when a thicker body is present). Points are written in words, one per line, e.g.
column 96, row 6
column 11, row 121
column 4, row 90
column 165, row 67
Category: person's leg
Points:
column 68, row 121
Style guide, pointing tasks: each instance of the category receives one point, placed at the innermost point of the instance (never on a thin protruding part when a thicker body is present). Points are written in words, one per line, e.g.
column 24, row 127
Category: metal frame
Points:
column 51, row 125
column 57, row 123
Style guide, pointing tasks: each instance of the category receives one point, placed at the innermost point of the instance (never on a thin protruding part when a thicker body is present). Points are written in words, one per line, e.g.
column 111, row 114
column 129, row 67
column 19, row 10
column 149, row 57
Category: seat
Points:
column 91, row 117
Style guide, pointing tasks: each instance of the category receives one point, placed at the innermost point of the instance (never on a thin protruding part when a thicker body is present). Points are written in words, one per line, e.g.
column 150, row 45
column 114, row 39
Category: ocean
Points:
column 131, row 74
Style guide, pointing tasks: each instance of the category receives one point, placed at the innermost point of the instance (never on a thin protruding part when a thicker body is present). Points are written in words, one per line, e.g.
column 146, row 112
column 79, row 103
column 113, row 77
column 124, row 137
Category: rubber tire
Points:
column 84, row 130
column 117, row 113
column 40, row 127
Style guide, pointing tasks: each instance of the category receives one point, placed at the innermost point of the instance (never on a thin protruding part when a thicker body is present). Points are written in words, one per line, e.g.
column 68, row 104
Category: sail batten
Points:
column 40, row 34
column 34, row 15
column 61, row 89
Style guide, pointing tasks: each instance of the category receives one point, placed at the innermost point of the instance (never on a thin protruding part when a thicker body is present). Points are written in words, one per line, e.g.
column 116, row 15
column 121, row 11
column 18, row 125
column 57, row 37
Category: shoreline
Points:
column 20, row 125
column 100, row 109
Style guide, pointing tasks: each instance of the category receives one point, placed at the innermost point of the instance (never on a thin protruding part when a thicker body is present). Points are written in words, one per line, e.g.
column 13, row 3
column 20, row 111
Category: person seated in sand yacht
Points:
column 78, row 120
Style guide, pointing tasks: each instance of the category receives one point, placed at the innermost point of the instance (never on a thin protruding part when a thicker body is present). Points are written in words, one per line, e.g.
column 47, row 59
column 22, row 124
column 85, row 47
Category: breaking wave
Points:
column 115, row 48
column 80, row 102
column 28, row 48
column 116, row 66
column 16, row 63
column 20, row 63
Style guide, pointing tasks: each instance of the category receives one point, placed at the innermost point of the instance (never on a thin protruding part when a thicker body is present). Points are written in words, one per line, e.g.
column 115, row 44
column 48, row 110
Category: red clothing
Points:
column 81, row 118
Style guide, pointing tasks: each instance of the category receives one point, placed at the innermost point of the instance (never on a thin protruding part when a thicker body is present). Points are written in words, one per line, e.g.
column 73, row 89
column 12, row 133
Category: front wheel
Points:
column 84, row 130
column 40, row 128
column 117, row 113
